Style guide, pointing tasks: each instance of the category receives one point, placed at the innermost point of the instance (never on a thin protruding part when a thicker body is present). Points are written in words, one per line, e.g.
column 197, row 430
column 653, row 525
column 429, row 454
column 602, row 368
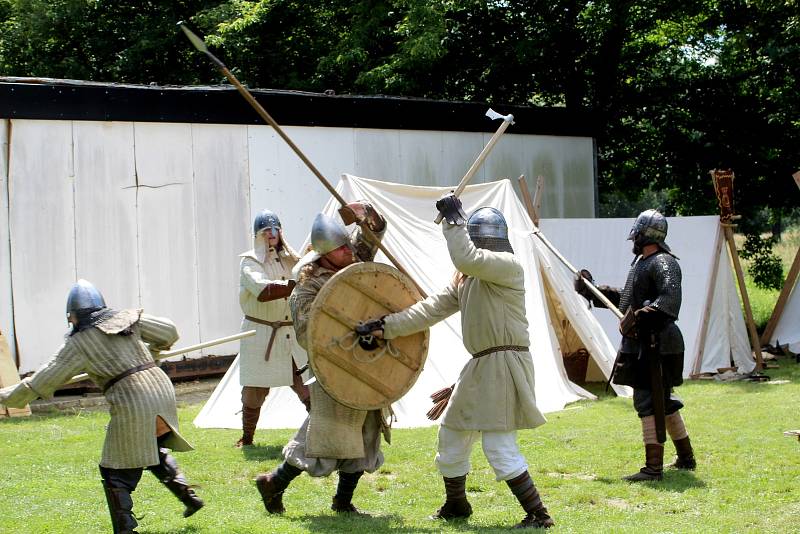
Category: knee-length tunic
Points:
column 134, row 401
column 494, row 392
column 255, row 369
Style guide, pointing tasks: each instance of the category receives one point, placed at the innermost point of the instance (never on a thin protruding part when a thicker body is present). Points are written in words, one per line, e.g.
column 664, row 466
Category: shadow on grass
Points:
column 187, row 529
column 674, row 481
column 383, row 523
column 259, row 453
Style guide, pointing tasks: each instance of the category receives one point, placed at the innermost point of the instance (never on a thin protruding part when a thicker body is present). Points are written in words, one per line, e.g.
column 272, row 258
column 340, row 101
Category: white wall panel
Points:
column 105, row 210
column 42, row 231
column 222, row 211
column 6, row 301
column 165, row 211
column 377, row 155
column 281, row 182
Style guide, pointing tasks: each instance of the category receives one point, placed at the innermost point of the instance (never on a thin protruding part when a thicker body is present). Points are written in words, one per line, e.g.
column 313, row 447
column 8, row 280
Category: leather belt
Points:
column 275, row 325
column 516, row 348
column 129, row 372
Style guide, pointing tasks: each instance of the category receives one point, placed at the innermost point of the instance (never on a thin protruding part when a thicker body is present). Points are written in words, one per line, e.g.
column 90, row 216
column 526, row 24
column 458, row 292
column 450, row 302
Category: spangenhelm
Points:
column 488, row 230
column 649, row 228
column 327, row 234
column 267, row 220
column 84, row 296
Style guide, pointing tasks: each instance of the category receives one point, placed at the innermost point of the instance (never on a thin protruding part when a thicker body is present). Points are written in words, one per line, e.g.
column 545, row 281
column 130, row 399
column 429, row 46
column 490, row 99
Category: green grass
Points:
column 748, row 476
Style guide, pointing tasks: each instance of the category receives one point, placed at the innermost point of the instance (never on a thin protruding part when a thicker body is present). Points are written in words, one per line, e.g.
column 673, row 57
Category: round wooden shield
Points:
column 359, row 378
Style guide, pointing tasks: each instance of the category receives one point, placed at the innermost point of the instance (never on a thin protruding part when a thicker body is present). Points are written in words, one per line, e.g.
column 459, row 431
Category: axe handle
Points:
column 478, row 162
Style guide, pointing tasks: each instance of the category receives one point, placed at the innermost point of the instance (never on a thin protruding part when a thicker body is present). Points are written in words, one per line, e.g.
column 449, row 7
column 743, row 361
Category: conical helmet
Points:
column 84, row 296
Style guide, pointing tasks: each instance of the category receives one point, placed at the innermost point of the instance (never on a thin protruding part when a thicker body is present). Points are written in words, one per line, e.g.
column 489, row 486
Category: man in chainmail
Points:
column 333, row 437
column 494, row 395
column 271, row 357
column 653, row 345
column 114, row 349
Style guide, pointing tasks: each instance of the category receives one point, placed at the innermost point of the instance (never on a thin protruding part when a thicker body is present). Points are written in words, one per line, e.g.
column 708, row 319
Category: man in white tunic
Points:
column 109, row 346
column 271, row 357
column 494, row 395
column 333, row 437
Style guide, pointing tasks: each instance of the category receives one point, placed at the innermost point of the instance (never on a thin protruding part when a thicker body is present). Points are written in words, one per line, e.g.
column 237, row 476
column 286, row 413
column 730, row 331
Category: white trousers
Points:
column 500, row 448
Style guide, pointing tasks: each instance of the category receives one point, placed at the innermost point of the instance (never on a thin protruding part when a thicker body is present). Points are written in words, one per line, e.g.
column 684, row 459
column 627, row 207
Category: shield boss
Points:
column 358, row 378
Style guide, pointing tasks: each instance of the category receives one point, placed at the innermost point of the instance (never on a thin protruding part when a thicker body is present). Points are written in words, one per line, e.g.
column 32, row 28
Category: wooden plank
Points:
column 537, row 199
column 41, row 225
column 358, row 374
column 751, row 326
column 9, row 377
column 221, row 193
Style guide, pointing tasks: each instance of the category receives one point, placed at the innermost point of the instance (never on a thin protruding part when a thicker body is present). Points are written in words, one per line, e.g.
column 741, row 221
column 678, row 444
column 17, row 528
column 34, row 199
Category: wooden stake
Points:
column 526, row 199
column 748, row 312
column 537, row 199
column 786, row 290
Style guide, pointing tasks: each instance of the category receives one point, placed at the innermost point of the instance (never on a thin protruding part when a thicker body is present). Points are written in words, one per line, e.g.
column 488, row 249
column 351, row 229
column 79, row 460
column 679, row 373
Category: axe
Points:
column 492, row 114
column 201, row 46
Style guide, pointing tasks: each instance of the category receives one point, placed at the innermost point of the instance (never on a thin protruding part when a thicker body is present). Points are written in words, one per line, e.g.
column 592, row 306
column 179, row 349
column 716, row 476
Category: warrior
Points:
column 114, row 348
column 650, row 356
column 333, row 437
column 271, row 357
column 494, row 395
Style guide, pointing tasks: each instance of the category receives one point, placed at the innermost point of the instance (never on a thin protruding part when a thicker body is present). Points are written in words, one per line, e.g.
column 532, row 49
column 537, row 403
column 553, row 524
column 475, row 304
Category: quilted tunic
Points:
column 494, row 392
column 254, row 369
column 134, row 401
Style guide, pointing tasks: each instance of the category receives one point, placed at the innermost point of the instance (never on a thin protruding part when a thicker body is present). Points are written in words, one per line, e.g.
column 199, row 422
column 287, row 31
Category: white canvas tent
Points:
column 783, row 327
column 418, row 244
column 711, row 316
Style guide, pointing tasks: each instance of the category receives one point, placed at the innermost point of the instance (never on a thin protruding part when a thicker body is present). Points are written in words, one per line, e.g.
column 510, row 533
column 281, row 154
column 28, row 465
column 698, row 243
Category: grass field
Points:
column 748, row 477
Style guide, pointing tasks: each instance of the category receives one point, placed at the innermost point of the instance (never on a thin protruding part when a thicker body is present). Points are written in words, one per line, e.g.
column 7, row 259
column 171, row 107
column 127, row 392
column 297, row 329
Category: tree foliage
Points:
column 678, row 87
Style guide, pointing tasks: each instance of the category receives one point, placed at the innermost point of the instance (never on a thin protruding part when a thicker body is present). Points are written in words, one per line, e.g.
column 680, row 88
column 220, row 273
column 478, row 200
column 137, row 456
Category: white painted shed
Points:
column 149, row 192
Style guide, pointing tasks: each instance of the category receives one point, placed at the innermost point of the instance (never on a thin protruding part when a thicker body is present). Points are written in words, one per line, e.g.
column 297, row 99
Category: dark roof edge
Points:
column 45, row 98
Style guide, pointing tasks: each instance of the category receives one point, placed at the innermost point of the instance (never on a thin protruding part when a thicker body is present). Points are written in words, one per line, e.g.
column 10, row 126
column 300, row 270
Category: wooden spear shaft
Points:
column 184, row 350
column 201, row 46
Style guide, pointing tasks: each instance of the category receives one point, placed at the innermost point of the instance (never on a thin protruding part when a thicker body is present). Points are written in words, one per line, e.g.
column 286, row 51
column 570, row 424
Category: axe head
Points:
column 492, row 114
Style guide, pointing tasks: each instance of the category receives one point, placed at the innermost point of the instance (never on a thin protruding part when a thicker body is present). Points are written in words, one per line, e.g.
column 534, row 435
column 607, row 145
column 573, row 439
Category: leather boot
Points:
column 536, row 515
column 456, row 505
column 249, row 421
column 653, row 466
column 120, row 506
column 685, row 458
column 342, row 501
column 272, row 485
column 168, row 474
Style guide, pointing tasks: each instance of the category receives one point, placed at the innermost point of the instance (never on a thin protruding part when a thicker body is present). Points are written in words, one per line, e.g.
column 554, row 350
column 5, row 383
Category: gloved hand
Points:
column 276, row 290
column 369, row 332
column 580, row 285
column 360, row 212
column 651, row 319
column 450, row 208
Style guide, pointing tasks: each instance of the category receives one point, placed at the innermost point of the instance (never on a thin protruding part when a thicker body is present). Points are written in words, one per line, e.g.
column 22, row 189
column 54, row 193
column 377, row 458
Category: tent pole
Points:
column 786, row 290
column 748, row 312
column 524, row 187
column 701, row 342
column 201, row 46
